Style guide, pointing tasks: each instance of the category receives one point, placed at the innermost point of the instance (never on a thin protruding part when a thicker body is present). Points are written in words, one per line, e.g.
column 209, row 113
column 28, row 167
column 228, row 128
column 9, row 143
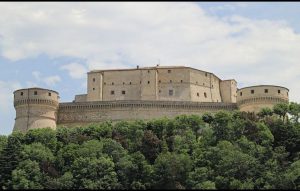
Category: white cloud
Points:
column 52, row 80
column 49, row 80
column 76, row 71
column 111, row 35
column 36, row 75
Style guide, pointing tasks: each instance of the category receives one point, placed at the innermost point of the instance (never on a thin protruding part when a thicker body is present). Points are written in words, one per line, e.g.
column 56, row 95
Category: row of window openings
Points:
column 171, row 92
column 181, row 81
column 266, row 91
column 35, row 93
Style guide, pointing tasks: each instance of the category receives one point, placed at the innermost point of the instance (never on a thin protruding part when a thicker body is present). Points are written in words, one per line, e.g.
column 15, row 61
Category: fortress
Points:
column 141, row 93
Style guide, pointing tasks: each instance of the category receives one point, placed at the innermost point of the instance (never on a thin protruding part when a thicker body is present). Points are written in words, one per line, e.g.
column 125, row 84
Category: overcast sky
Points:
column 52, row 45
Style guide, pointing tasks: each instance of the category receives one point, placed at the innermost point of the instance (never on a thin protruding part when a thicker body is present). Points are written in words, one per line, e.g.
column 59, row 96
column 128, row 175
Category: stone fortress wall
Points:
column 158, row 83
column 254, row 98
column 141, row 93
column 35, row 108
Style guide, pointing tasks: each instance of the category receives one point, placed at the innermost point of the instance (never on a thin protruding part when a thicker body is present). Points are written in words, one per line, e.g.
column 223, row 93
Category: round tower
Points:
column 35, row 108
column 254, row 98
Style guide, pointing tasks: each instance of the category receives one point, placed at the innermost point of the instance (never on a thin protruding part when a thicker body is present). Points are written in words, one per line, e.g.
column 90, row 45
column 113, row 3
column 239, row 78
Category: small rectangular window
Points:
column 169, row 71
column 170, row 81
column 94, row 79
column 93, row 88
column 159, row 91
column 279, row 91
column 104, row 83
column 123, row 92
column 198, row 94
column 252, row 91
column 205, row 74
column 205, row 95
column 170, row 92
column 22, row 93
column 159, row 81
column 148, row 82
column 112, row 92
column 148, row 71
column 181, row 81
column 112, row 83
column 241, row 93
column 35, row 92
column 130, row 83
column 49, row 94
column 266, row 90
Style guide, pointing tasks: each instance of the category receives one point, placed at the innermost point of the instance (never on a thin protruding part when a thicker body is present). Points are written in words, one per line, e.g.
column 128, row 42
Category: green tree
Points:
column 27, row 176
column 171, row 170
column 94, row 173
column 281, row 109
column 294, row 110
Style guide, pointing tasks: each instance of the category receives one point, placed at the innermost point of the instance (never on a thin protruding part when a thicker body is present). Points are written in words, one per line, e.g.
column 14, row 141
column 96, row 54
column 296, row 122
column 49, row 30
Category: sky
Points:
column 54, row 44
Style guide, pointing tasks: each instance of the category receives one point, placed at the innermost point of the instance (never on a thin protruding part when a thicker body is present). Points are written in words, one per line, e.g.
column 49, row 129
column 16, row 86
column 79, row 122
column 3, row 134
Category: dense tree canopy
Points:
column 224, row 150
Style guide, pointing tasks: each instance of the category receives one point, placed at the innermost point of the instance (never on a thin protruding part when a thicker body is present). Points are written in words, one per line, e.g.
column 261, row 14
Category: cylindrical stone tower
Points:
column 35, row 108
column 254, row 98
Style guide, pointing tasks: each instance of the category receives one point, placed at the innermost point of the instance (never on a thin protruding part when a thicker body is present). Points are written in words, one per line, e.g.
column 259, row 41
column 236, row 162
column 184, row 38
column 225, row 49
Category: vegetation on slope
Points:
column 226, row 150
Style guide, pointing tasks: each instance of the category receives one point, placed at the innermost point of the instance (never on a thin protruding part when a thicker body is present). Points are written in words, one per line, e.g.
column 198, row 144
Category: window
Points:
column 170, row 81
column 140, row 82
column 159, row 81
column 148, row 71
column 196, row 82
column 112, row 92
column 241, row 93
column 181, row 81
column 123, row 83
column 205, row 95
column 148, row 82
column 130, row 83
column 94, row 79
column 212, row 86
column 22, row 93
column 252, row 91
column 169, row 71
column 93, row 88
column 170, row 92
column 159, row 91
column 49, row 94
column 266, row 90
column 123, row 92
column 205, row 73
column 279, row 91
column 104, row 83
column 112, row 83
column 204, row 84
column 198, row 94
column 35, row 92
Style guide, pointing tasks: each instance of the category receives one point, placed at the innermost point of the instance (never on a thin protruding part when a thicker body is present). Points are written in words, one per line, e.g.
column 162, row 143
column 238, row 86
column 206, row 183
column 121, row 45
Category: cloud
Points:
column 115, row 35
column 76, row 71
column 49, row 80
column 52, row 80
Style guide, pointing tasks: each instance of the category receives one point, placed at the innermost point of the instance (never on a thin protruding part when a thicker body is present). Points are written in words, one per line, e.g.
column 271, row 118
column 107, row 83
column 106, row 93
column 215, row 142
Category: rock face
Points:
column 141, row 93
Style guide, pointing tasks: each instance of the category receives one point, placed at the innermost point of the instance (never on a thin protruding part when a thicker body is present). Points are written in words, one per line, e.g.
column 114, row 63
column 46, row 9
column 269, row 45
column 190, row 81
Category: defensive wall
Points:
column 141, row 93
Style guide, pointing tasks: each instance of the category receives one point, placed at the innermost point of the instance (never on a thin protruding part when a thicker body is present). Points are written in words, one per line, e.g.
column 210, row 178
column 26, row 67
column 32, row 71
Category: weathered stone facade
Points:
column 141, row 93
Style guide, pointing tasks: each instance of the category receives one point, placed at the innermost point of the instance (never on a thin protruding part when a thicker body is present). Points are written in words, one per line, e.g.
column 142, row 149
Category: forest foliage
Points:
column 224, row 150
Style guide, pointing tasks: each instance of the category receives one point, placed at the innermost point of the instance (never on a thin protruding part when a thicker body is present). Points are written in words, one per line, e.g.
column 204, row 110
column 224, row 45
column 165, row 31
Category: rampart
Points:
column 89, row 112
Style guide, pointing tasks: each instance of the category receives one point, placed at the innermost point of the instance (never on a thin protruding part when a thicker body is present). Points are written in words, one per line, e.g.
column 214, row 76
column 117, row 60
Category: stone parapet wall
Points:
column 89, row 112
